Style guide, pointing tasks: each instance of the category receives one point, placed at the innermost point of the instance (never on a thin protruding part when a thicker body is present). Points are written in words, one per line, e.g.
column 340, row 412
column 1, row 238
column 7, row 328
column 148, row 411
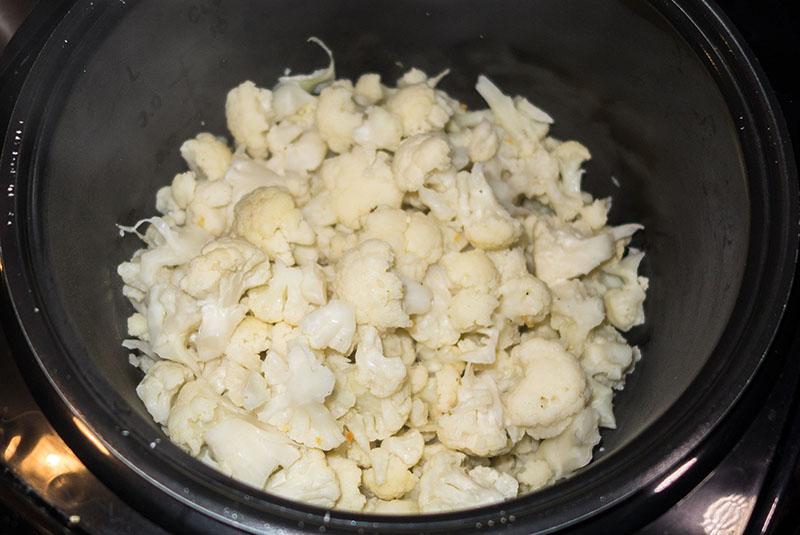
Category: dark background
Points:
column 770, row 27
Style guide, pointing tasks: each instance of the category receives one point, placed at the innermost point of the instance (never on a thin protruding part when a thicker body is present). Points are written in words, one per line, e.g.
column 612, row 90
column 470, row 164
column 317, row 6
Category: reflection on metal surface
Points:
column 728, row 515
column 674, row 476
column 11, row 447
column 83, row 428
column 47, row 460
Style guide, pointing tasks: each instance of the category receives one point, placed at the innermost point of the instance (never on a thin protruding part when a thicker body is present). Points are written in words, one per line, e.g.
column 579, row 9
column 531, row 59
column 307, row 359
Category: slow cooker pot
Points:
column 672, row 107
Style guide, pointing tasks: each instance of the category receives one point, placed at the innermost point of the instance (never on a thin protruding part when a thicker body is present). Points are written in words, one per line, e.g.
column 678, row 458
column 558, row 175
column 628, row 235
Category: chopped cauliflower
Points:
column 380, row 301
column 365, row 278
column 248, row 110
column 268, row 218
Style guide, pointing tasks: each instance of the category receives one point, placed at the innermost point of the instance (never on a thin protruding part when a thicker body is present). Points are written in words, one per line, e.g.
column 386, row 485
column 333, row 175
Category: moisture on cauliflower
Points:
column 377, row 300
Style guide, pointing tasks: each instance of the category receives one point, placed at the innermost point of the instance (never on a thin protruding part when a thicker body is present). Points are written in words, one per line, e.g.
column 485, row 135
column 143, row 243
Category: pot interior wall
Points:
column 614, row 76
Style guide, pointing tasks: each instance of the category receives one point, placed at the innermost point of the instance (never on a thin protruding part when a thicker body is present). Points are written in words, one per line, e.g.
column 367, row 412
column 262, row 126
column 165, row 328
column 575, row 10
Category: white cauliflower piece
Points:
column 338, row 116
column 359, row 181
column 420, row 108
column 374, row 418
column 308, row 480
column 218, row 278
column 268, row 218
column 607, row 356
column 575, row 311
column 445, row 485
column 552, row 390
column 473, row 281
column 332, row 325
column 299, row 384
column 572, row 449
column 208, row 156
column 342, row 398
column 349, row 476
column 365, row 279
column 172, row 316
column 561, row 252
column 248, row 110
column 381, row 375
column 182, row 188
column 254, row 454
column 486, row 224
column 483, row 142
column 195, row 410
column 159, row 386
column 434, row 328
column 415, row 238
column 209, row 206
column 389, row 477
column 524, row 298
column 380, row 130
column 418, row 157
column 294, row 149
column 624, row 302
column 368, row 88
column 476, row 424
column 247, row 175
column 250, row 339
column 603, row 404
column 291, row 294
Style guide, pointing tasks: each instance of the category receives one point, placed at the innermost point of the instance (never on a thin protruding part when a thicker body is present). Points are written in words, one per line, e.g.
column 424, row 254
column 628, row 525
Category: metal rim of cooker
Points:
column 202, row 498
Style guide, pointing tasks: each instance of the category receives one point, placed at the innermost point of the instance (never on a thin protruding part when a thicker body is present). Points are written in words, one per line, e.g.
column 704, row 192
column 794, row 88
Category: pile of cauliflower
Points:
column 381, row 301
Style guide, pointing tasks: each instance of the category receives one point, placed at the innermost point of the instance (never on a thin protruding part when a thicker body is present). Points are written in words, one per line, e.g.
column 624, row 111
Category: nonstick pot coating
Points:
column 134, row 79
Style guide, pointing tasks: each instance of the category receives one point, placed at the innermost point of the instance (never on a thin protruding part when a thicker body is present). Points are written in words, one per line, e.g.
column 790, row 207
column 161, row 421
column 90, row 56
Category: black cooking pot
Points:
column 99, row 94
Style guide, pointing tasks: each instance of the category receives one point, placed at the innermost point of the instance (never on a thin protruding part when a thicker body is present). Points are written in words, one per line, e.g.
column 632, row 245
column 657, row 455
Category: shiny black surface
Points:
column 758, row 431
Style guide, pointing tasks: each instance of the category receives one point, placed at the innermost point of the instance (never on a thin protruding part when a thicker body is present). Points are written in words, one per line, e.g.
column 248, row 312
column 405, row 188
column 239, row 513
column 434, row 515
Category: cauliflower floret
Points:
column 389, row 477
column 365, row 279
column 382, row 376
column 607, row 356
column 524, row 298
column 575, row 311
column 342, row 398
column 369, row 88
column 172, row 316
column 473, row 281
column 380, row 130
column 247, row 175
column 208, row 156
column 445, row 485
column 483, row 142
column 572, row 449
column 195, row 410
column 290, row 295
column 290, row 100
column 308, row 480
column 534, row 473
column 248, row 341
column 417, row 157
column 415, row 238
column 268, row 218
column 338, row 116
column 602, row 403
column 182, row 188
column 349, row 475
column 561, row 252
column 374, row 418
column 218, row 279
column 552, row 390
column 475, row 425
column 434, row 328
column 299, row 384
column 255, row 453
column 624, row 303
column 208, row 208
column 486, row 224
column 160, row 385
column 248, row 110
column 332, row 325
column 420, row 109
column 294, row 149
column 359, row 181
